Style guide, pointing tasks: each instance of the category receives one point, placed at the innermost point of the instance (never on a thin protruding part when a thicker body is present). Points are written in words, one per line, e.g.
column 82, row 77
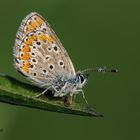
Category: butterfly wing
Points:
column 39, row 54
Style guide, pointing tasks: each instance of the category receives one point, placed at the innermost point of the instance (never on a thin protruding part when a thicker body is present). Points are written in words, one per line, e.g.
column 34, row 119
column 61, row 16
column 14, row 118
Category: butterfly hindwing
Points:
column 39, row 54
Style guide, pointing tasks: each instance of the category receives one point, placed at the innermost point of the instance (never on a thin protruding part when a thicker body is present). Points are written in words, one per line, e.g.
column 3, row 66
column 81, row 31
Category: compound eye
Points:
column 82, row 79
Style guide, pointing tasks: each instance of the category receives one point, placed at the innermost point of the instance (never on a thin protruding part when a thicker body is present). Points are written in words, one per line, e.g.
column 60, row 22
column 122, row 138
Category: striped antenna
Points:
column 100, row 70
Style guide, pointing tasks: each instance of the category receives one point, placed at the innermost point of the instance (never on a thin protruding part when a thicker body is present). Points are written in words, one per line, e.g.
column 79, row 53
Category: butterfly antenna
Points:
column 100, row 70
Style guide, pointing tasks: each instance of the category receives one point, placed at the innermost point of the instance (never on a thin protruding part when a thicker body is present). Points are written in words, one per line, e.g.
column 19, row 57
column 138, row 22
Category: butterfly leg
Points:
column 36, row 96
column 80, row 90
column 71, row 98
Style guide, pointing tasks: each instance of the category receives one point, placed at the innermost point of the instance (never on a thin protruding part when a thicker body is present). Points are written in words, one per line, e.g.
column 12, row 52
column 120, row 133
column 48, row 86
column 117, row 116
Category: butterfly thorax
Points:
column 68, row 85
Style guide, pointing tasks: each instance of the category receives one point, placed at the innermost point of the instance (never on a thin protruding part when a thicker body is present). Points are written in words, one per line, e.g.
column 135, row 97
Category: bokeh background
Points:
column 95, row 33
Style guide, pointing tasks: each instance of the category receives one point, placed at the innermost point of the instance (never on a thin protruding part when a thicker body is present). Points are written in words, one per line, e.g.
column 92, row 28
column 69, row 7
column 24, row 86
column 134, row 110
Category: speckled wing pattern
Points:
column 38, row 53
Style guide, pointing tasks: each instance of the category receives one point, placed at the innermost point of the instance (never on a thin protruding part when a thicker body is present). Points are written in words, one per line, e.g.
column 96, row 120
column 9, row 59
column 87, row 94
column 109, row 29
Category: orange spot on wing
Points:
column 29, row 27
column 33, row 25
column 50, row 39
column 43, row 38
column 25, row 56
column 26, row 67
column 26, row 49
column 29, row 41
column 34, row 37
column 39, row 21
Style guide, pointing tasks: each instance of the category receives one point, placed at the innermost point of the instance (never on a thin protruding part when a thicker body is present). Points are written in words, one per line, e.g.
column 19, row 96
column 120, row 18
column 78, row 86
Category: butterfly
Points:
column 40, row 56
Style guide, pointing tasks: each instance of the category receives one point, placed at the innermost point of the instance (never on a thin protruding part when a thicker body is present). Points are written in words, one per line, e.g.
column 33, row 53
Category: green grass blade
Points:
column 16, row 92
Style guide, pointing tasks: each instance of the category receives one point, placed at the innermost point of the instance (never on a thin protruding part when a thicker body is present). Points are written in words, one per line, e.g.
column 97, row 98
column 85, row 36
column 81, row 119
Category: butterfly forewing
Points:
column 38, row 53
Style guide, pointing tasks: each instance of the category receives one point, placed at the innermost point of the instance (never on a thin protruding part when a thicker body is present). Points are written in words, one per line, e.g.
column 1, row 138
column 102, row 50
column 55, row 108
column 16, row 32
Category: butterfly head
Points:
column 82, row 79
column 82, row 76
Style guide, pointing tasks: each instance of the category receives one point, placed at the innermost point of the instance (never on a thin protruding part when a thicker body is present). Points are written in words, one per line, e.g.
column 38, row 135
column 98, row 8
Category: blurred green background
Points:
column 95, row 33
